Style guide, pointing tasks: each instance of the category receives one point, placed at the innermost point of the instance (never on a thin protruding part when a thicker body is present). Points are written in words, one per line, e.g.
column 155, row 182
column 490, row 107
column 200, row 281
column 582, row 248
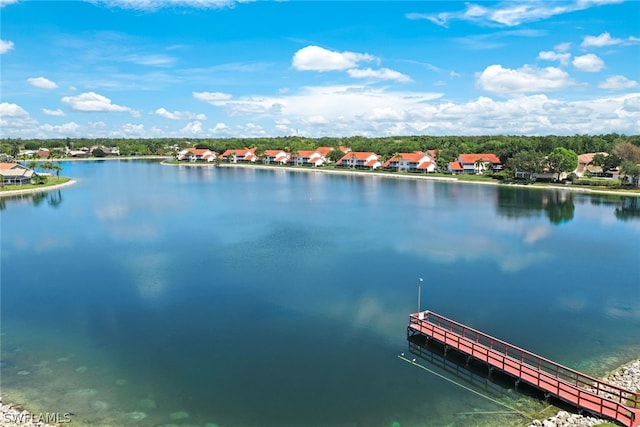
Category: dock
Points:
column 575, row 388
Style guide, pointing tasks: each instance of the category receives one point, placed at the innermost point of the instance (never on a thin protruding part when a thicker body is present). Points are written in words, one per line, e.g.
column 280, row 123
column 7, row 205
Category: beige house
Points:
column 15, row 174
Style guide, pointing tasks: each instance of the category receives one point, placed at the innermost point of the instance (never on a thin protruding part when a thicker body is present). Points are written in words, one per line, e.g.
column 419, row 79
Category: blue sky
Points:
column 203, row 69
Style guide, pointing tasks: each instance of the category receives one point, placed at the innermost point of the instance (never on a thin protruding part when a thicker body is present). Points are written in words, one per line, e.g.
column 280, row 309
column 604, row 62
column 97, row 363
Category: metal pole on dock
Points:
column 419, row 290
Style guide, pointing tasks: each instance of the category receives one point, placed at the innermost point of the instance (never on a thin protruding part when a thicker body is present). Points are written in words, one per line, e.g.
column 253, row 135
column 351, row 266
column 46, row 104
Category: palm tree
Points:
column 479, row 164
column 397, row 157
column 56, row 167
column 354, row 157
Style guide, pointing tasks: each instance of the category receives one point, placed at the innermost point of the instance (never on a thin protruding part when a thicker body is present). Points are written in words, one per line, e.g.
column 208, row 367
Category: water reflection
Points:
column 556, row 205
column 628, row 209
column 52, row 198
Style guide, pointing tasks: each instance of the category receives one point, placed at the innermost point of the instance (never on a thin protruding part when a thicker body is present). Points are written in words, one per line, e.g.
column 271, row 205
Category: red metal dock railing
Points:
column 589, row 393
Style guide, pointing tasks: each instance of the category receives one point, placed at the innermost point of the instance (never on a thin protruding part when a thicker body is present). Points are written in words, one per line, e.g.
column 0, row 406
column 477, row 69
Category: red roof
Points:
column 424, row 165
column 306, row 153
column 239, row 152
column 8, row 165
column 199, row 151
column 455, row 166
column 485, row 157
column 324, row 151
column 358, row 155
column 273, row 153
column 371, row 162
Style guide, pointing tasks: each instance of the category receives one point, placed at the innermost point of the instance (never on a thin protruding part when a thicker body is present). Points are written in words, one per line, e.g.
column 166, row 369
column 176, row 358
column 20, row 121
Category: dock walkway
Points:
column 583, row 391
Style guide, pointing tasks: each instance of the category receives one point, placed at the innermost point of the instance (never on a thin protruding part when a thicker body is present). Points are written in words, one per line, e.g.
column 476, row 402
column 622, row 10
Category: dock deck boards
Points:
column 586, row 392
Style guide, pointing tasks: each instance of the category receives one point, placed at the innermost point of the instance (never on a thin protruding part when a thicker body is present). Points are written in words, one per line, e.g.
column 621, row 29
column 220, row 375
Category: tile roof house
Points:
column 15, row 173
column 196, row 155
column 275, row 156
column 324, row 151
column 585, row 167
column 411, row 162
column 475, row 163
column 308, row 158
column 240, row 155
column 359, row 160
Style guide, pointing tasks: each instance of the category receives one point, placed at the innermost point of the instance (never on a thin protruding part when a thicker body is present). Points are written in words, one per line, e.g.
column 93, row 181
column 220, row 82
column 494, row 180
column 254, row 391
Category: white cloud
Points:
column 562, row 47
column 327, row 101
column 527, row 79
column 510, row 13
column 57, row 113
column 154, row 60
column 617, row 83
column 589, row 62
column 220, row 128
column 64, row 129
column 632, row 104
column 315, row 58
column 192, row 128
column 563, row 58
column 42, row 83
column 152, row 5
column 131, row 129
column 179, row 115
column 605, row 39
column 380, row 74
column 93, row 102
column 12, row 110
column 213, row 98
column 5, row 46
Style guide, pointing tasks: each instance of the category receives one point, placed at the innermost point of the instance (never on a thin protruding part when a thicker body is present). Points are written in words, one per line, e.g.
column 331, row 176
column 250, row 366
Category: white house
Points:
column 359, row 160
column 411, row 162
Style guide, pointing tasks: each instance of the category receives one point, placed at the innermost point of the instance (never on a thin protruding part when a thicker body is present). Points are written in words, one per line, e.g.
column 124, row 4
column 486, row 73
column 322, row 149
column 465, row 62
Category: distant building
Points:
column 359, row 160
column 196, row 155
column 475, row 163
column 410, row 162
column 15, row 174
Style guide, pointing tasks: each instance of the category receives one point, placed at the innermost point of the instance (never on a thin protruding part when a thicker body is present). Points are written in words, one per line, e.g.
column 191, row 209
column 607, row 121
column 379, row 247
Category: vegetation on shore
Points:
column 535, row 154
column 45, row 182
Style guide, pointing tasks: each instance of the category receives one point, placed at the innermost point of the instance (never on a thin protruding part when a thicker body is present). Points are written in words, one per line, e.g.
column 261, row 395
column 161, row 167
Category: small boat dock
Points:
column 588, row 393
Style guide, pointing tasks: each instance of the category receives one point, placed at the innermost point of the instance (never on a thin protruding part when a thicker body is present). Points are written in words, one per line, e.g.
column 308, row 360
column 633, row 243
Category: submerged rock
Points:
column 137, row 415
column 180, row 415
column 147, row 404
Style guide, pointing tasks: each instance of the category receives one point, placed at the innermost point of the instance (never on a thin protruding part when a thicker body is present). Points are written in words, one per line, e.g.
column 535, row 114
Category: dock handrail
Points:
column 627, row 403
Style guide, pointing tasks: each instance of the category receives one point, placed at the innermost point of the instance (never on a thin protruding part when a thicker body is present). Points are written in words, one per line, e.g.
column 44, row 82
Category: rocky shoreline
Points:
column 13, row 417
column 627, row 376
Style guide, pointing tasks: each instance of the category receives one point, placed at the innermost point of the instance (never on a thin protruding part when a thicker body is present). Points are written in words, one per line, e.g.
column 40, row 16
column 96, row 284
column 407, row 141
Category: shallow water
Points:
column 149, row 294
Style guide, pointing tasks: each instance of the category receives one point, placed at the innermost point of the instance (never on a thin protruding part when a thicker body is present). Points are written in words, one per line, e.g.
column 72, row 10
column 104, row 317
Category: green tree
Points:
column 527, row 161
column 335, row 155
column 632, row 171
column 562, row 160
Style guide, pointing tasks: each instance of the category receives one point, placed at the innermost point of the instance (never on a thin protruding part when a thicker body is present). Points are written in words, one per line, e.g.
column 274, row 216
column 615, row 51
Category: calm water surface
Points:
column 156, row 295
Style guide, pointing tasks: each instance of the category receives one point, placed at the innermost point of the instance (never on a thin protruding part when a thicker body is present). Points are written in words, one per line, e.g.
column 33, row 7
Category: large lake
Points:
column 170, row 295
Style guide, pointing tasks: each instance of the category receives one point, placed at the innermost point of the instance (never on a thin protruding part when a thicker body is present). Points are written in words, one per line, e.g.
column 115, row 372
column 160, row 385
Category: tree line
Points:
column 529, row 153
column 505, row 146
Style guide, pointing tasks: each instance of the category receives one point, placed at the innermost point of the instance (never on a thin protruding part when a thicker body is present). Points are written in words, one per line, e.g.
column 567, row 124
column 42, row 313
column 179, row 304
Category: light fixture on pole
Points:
column 419, row 290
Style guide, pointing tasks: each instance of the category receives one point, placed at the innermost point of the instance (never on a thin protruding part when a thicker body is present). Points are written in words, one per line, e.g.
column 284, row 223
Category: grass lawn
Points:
column 51, row 180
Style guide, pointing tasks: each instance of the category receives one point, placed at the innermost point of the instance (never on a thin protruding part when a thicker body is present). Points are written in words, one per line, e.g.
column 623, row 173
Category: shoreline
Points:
column 626, row 376
column 452, row 179
column 303, row 169
column 18, row 192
